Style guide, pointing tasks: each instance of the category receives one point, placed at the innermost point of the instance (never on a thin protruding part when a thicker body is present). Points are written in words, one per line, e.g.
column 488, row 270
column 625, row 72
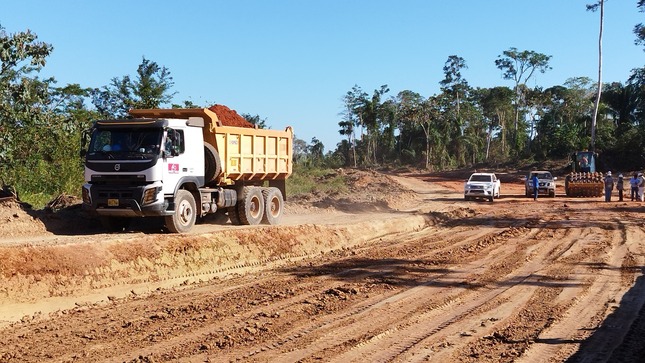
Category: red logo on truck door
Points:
column 173, row 168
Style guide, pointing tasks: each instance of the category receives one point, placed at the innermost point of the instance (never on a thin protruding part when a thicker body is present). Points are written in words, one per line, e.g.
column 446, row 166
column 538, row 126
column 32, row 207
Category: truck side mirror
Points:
column 85, row 136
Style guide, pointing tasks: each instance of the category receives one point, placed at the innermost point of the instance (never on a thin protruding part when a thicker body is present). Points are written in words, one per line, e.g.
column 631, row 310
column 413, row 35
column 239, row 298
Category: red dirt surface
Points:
column 229, row 117
column 397, row 268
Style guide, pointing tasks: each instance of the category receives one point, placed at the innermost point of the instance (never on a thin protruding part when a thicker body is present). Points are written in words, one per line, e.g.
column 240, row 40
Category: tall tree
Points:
column 453, row 82
column 497, row 107
column 455, row 89
column 593, row 7
column 639, row 29
column 519, row 66
column 150, row 89
column 316, row 151
column 353, row 102
column 23, row 97
column 409, row 115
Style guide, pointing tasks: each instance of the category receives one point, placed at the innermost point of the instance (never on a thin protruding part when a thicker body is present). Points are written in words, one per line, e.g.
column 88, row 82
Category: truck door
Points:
column 173, row 155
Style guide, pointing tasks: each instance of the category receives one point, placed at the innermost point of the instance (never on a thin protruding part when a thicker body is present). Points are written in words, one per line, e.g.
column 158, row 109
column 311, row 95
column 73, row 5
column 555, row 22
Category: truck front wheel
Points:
column 250, row 208
column 185, row 213
column 273, row 205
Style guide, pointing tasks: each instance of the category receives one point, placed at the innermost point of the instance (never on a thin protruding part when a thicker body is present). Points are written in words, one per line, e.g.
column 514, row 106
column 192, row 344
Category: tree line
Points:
column 42, row 123
column 464, row 125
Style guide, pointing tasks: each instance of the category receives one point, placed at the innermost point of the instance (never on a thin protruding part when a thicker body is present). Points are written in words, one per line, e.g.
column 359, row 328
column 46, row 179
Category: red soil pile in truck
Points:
column 229, row 117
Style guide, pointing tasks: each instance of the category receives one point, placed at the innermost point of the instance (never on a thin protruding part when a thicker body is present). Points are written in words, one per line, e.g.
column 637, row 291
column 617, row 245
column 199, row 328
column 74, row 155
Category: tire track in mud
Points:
column 483, row 291
column 411, row 342
column 295, row 337
column 404, row 306
column 117, row 322
column 615, row 310
column 300, row 298
column 364, row 272
column 563, row 317
column 437, row 328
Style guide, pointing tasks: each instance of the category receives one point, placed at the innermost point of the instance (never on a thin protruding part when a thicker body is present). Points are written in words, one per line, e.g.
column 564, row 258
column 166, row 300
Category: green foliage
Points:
column 260, row 123
column 306, row 180
column 150, row 89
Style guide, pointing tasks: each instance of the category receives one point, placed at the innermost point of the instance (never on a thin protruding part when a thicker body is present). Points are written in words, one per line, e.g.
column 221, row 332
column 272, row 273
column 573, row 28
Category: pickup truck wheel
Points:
column 115, row 224
column 185, row 213
column 251, row 207
column 491, row 198
column 552, row 194
column 273, row 205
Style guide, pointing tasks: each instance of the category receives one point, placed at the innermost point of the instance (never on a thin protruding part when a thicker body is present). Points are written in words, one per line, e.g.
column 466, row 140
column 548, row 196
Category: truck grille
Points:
column 115, row 194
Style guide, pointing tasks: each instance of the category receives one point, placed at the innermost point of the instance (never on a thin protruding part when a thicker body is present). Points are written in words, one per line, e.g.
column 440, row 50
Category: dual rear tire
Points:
column 258, row 205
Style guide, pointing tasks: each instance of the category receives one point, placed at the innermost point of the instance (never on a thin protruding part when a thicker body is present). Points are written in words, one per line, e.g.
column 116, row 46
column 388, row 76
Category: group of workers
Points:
column 637, row 185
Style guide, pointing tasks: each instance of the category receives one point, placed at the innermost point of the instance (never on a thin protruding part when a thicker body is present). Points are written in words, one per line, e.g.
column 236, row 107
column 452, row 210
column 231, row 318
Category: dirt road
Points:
column 419, row 276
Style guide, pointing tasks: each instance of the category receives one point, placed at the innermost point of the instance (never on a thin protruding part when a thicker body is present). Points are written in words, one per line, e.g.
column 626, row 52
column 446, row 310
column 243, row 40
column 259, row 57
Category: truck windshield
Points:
column 125, row 143
column 480, row 178
column 542, row 175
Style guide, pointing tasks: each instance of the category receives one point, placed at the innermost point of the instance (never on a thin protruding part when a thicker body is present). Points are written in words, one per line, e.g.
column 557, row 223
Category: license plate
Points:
column 113, row 202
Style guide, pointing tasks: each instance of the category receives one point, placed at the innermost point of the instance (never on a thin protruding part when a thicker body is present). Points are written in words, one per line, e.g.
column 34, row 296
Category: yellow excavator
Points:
column 584, row 180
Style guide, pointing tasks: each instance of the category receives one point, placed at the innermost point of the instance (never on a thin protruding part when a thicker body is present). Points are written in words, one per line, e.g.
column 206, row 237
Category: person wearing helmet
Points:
column 620, row 185
column 633, row 182
column 609, row 186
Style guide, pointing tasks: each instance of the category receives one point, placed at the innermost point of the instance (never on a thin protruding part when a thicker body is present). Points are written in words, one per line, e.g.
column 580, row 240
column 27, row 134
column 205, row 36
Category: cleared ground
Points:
column 400, row 269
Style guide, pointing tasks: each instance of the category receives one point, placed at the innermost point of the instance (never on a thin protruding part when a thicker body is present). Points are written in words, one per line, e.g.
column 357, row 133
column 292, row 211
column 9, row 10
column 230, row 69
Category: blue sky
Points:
column 291, row 62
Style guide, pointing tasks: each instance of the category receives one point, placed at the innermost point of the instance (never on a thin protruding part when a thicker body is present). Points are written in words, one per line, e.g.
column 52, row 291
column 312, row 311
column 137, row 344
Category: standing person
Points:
column 633, row 182
column 641, row 187
column 620, row 186
column 536, row 185
column 609, row 186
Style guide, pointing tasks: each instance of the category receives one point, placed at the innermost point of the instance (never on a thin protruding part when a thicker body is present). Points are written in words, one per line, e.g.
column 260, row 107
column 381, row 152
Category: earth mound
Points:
column 230, row 117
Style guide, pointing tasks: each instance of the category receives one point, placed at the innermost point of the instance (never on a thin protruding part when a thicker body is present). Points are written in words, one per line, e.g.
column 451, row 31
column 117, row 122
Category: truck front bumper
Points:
column 124, row 201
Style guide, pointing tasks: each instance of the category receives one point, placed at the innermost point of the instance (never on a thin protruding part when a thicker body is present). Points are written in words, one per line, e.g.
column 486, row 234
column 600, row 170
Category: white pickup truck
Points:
column 482, row 185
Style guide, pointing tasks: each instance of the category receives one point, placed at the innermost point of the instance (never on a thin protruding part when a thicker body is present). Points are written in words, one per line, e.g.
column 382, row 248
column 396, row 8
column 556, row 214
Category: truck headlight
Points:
column 150, row 196
column 87, row 199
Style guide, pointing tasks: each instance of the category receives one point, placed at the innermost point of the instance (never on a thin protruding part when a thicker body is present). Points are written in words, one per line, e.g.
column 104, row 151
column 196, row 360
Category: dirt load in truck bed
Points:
column 394, row 267
column 229, row 117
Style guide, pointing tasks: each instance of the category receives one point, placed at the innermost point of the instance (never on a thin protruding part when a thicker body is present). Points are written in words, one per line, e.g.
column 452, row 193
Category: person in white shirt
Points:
column 633, row 182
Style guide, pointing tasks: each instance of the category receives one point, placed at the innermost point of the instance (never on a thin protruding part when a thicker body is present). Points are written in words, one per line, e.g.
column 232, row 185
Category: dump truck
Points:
column 182, row 165
column 584, row 180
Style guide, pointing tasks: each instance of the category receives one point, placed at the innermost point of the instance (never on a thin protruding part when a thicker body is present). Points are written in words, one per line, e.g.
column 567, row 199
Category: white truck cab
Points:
column 133, row 166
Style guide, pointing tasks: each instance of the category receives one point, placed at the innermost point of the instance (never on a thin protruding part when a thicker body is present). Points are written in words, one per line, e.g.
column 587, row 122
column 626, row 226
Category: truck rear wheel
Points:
column 185, row 213
column 273, row 205
column 251, row 207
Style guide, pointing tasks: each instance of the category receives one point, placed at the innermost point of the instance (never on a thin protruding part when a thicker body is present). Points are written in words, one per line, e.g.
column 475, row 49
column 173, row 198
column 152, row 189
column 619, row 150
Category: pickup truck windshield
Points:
column 125, row 144
column 481, row 178
column 542, row 175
